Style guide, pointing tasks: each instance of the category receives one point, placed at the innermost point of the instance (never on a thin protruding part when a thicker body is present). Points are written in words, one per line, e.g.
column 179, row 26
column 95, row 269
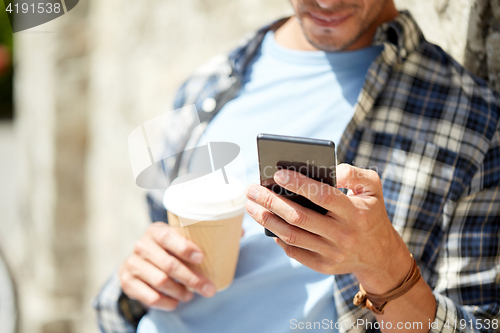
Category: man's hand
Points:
column 155, row 274
column 355, row 236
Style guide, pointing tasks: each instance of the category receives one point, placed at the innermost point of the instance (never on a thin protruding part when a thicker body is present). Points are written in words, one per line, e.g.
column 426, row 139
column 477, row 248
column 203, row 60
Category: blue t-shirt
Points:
column 286, row 92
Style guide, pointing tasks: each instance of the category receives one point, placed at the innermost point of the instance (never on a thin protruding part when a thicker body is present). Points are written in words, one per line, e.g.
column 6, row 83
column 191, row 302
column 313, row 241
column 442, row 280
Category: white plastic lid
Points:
column 205, row 198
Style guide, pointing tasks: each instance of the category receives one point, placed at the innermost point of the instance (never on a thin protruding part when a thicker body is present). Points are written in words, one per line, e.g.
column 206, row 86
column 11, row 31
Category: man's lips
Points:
column 329, row 20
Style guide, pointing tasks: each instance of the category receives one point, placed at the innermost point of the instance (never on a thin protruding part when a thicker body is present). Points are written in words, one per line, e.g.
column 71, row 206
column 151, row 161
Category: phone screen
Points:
column 312, row 158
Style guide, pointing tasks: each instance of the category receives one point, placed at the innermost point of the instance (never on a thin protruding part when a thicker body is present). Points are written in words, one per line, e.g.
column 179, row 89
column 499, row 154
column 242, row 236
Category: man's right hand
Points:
column 156, row 275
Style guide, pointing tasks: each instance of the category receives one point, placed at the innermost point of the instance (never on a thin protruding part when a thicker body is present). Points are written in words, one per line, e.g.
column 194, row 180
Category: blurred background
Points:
column 73, row 89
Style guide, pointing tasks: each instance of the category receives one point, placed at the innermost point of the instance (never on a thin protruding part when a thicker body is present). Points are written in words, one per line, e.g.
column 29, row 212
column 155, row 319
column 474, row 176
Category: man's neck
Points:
column 291, row 35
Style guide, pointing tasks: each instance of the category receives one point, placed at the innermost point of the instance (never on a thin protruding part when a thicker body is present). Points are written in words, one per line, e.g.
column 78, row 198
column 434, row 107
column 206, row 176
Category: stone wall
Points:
column 443, row 22
column 51, row 115
column 84, row 82
column 482, row 55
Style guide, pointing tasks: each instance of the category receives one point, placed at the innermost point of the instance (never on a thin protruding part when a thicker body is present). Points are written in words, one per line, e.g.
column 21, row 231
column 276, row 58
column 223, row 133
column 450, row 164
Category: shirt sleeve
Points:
column 467, row 290
column 110, row 318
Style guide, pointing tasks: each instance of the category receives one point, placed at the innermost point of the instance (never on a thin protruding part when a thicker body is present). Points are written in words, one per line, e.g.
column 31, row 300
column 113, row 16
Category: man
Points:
column 361, row 74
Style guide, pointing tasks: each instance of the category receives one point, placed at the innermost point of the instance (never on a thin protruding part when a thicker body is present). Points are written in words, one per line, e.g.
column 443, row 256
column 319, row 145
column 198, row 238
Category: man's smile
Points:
column 329, row 21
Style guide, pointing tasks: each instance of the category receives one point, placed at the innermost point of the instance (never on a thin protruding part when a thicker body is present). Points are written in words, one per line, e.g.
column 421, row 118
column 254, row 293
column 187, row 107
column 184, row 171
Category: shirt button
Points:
column 208, row 105
column 403, row 53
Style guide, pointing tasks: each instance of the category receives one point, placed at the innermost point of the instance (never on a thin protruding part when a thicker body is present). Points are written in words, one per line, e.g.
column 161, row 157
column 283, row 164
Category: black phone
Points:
column 313, row 158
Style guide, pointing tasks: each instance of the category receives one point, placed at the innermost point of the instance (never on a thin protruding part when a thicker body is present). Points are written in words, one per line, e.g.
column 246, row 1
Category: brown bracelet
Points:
column 377, row 303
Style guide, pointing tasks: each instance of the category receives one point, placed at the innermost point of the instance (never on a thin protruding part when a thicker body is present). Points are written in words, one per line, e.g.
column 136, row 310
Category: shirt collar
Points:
column 403, row 32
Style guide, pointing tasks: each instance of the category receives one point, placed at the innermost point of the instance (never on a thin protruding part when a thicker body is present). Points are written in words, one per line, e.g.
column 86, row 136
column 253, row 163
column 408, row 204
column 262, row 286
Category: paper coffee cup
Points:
column 209, row 212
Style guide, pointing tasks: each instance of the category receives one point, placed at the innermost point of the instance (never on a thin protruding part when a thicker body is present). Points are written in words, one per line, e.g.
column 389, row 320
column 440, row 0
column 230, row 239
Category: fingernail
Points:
column 196, row 258
column 208, row 290
column 251, row 208
column 282, row 177
column 253, row 193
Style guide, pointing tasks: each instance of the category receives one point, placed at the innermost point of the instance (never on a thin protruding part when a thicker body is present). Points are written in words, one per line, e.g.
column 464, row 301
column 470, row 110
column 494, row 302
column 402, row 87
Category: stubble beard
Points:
column 329, row 44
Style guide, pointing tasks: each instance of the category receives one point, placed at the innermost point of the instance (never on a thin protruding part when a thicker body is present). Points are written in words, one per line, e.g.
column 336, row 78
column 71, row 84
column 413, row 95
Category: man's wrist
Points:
column 131, row 310
column 389, row 273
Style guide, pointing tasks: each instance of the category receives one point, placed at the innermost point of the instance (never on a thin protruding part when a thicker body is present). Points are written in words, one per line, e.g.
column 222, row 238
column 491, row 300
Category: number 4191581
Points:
column 40, row 9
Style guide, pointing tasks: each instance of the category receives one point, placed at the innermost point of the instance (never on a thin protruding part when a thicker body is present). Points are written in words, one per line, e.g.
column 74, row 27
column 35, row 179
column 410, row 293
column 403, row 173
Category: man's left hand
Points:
column 355, row 236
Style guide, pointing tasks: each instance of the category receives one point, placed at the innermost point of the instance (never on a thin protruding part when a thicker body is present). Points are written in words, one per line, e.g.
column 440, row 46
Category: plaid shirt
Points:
column 431, row 130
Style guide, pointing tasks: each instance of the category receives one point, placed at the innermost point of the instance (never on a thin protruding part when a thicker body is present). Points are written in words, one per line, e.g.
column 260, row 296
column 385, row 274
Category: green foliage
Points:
column 5, row 28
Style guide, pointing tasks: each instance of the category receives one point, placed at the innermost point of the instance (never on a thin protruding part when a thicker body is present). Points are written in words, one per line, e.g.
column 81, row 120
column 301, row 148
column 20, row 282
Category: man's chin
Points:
column 328, row 43
column 327, row 40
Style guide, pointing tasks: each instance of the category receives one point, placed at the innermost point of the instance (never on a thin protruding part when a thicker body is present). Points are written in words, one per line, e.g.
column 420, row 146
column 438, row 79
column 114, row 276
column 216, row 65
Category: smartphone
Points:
column 311, row 157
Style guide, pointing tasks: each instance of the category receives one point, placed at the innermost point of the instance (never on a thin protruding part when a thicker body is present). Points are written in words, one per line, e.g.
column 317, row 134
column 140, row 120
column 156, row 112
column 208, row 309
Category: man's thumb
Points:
column 358, row 180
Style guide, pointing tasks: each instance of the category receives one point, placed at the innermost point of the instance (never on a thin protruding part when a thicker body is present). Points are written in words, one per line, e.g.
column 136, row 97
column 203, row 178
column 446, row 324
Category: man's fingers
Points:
column 177, row 269
column 148, row 249
column 162, row 253
column 158, row 279
column 290, row 234
column 169, row 239
column 321, row 194
column 195, row 281
column 310, row 259
column 139, row 290
column 359, row 181
column 290, row 211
